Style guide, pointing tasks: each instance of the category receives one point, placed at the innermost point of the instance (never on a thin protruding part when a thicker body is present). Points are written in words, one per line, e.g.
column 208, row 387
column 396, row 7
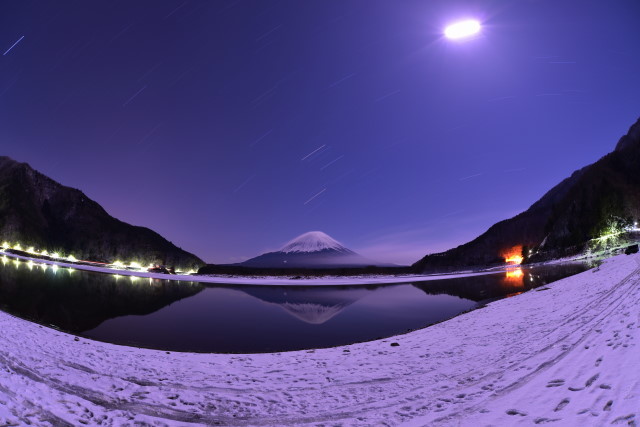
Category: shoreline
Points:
column 268, row 280
column 566, row 352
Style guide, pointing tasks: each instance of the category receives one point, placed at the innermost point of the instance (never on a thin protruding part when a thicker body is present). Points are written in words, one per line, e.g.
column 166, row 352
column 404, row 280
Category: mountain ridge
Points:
column 37, row 211
column 564, row 219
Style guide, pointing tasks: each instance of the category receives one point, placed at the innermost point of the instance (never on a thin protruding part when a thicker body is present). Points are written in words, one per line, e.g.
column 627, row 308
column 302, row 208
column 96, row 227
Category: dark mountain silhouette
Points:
column 601, row 198
column 37, row 211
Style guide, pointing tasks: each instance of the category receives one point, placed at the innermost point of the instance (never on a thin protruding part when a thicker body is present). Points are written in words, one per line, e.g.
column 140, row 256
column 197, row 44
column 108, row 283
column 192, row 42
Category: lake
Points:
column 191, row 316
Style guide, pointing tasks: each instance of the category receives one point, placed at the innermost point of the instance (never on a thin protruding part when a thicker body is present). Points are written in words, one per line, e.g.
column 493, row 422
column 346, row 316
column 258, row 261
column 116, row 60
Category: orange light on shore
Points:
column 513, row 255
column 516, row 259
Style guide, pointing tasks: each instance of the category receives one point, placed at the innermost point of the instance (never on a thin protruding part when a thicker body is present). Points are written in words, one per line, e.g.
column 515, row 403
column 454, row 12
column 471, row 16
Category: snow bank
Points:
column 567, row 352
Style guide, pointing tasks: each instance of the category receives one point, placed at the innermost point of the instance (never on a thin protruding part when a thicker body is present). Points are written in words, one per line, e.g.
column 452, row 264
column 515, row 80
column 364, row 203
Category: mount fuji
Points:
column 314, row 249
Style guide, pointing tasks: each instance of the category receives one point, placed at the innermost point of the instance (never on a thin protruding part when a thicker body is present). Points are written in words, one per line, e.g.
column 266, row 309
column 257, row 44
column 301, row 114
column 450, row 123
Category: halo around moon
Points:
column 462, row 29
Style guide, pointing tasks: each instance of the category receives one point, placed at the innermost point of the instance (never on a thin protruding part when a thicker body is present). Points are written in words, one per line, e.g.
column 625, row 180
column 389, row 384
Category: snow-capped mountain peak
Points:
column 313, row 241
column 310, row 250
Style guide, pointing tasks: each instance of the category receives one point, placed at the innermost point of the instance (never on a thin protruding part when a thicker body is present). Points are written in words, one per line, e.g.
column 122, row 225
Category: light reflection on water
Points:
column 189, row 316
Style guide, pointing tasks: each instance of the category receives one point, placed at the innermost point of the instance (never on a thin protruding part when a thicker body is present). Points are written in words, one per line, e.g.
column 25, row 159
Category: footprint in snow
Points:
column 591, row 380
column 542, row 420
column 561, row 405
column 555, row 383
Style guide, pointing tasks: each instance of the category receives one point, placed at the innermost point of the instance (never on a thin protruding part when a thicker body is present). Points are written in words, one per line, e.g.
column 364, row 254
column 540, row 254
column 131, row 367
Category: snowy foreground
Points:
column 567, row 353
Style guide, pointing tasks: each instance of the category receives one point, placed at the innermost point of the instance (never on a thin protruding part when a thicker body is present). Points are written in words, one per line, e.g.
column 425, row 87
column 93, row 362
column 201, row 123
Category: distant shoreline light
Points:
column 462, row 29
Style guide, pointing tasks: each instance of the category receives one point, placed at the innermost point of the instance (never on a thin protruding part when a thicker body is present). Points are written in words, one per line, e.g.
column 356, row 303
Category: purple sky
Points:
column 198, row 118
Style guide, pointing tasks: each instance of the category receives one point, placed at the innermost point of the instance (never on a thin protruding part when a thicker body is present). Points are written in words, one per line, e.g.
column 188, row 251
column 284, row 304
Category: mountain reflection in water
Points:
column 311, row 305
column 507, row 283
column 66, row 299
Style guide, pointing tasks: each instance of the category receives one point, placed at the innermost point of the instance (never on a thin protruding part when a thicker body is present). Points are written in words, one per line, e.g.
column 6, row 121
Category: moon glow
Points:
column 462, row 29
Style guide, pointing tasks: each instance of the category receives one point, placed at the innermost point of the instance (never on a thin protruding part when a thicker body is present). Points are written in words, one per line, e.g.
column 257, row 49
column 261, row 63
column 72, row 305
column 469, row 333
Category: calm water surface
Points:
column 190, row 316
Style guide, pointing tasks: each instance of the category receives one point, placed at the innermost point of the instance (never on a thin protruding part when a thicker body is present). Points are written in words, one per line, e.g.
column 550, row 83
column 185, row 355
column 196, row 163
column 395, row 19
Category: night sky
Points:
column 230, row 127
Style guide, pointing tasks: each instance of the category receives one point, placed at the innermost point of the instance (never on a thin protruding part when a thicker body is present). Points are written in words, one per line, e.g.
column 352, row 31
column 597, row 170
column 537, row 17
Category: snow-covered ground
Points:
column 565, row 353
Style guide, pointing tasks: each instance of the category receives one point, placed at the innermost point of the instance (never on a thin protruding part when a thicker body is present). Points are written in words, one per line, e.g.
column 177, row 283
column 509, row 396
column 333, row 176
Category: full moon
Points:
column 462, row 29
